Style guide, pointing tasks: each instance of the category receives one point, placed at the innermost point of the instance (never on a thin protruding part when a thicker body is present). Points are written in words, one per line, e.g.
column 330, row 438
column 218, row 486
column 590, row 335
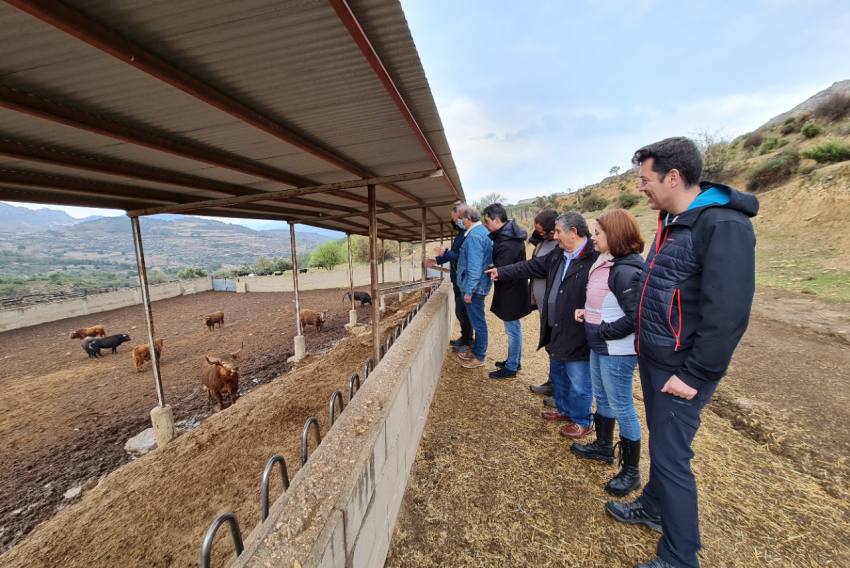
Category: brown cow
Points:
column 142, row 353
column 214, row 318
column 312, row 317
column 95, row 331
column 221, row 379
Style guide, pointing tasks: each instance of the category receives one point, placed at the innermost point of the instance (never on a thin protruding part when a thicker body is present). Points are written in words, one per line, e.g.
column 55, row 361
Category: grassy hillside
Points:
column 803, row 226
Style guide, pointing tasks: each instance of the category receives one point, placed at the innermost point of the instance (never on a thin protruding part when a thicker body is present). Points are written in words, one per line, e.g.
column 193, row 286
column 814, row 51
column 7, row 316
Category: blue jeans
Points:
column 513, row 329
column 573, row 390
column 475, row 311
column 612, row 388
column 672, row 490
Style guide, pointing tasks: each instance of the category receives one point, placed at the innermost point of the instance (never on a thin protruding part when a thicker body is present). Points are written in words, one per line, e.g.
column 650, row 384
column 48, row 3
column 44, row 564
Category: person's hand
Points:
column 579, row 315
column 430, row 262
column 440, row 250
column 494, row 274
column 467, row 299
column 677, row 387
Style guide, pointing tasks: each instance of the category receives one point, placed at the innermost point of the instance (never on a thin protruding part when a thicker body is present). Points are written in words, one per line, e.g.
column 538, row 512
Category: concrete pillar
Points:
column 163, row 425
column 352, row 318
column 300, row 349
column 383, row 304
column 400, row 297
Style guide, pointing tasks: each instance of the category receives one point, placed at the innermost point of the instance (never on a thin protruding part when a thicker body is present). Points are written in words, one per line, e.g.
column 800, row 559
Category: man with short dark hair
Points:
column 566, row 277
column 510, row 299
column 544, row 242
column 476, row 255
column 695, row 295
column 451, row 256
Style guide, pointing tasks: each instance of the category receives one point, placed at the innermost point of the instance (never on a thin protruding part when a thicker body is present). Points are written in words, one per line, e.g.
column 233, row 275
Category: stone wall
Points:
column 41, row 313
column 323, row 279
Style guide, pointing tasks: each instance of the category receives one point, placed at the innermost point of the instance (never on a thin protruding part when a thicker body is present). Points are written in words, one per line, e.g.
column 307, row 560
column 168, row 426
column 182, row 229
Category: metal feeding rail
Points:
column 311, row 424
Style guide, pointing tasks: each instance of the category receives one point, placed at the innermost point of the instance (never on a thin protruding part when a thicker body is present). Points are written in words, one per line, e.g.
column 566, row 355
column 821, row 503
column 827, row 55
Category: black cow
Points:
column 361, row 297
column 86, row 344
column 111, row 342
column 302, row 270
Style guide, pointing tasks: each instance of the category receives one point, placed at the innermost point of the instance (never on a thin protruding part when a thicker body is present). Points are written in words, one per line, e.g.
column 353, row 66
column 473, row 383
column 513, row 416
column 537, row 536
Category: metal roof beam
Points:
column 393, row 210
column 331, row 187
column 99, row 37
column 350, row 22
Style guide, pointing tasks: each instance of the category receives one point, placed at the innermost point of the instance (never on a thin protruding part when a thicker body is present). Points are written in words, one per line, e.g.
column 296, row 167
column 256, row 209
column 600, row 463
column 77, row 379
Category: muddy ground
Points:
column 494, row 484
column 64, row 418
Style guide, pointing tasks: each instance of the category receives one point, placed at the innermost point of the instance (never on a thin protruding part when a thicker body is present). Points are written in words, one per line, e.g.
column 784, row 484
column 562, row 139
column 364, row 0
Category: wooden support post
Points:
column 442, row 274
column 424, row 244
column 383, row 276
column 352, row 314
column 300, row 340
column 162, row 416
column 400, row 275
column 373, row 272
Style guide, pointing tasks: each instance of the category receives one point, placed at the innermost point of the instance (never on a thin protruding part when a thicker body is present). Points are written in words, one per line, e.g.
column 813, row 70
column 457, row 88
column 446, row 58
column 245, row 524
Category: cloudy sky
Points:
column 544, row 96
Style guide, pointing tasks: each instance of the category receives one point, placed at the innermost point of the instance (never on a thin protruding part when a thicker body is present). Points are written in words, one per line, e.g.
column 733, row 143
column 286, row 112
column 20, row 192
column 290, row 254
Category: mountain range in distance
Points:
column 168, row 240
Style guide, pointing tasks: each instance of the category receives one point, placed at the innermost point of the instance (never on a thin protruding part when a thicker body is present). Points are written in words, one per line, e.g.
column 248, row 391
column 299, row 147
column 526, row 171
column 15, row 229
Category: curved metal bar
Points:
column 398, row 329
column 310, row 422
column 335, row 395
column 390, row 341
column 284, row 475
column 403, row 324
column 368, row 367
column 381, row 351
column 351, row 390
column 234, row 533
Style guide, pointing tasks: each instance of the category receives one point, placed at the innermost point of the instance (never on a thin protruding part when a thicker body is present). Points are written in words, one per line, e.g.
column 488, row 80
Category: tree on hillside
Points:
column 328, row 255
column 490, row 199
column 262, row 265
column 614, row 171
column 281, row 264
column 716, row 152
column 244, row 269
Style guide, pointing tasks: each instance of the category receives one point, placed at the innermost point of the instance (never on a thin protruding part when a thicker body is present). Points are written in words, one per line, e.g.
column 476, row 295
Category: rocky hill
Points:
column 23, row 220
column 840, row 87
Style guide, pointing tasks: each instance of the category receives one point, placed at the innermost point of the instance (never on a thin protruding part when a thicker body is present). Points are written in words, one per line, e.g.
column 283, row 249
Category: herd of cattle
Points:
column 219, row 376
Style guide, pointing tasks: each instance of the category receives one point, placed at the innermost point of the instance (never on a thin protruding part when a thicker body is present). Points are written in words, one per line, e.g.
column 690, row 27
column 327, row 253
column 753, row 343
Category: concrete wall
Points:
column 42, row 313
column 341, row 507
column 322, row 279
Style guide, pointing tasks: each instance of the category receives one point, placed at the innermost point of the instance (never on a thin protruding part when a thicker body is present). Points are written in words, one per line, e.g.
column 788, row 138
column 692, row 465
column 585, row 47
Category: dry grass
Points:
column 494, row 484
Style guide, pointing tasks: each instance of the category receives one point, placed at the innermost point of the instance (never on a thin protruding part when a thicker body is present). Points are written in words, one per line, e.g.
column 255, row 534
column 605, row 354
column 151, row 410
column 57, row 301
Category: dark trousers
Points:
column 462, row 317
column 672, row 490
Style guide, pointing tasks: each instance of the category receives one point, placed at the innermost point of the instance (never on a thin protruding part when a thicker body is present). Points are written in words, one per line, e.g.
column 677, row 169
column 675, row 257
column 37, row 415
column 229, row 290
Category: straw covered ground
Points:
column 494, row 484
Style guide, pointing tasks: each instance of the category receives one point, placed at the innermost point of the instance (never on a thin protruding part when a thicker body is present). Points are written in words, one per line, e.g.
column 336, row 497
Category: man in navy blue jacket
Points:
column 695, row 294
column 445, row 255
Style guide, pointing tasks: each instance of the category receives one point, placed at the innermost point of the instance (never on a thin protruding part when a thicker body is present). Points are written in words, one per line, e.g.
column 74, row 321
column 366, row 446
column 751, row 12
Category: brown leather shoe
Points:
column 575, row 431
column 472, row 364
column 555, row 416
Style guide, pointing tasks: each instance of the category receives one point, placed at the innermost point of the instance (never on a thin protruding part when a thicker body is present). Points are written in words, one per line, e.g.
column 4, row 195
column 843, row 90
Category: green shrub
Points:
column 772, row 172
column 810, row 130
column 754, row 140
column 768, row 146
column 828, row 152
column 789, row 120
column 593, row 203
column 628, row 200
column 782, row 143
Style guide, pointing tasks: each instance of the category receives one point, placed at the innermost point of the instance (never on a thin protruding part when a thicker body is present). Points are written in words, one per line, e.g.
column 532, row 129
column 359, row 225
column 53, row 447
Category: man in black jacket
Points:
column 566, row 291
column 694, row 296
column 510, row 298
column 451, row 255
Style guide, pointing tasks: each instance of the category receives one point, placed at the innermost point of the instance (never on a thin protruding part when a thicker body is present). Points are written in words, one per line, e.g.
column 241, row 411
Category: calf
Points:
column 111, row 342
column 311, row 317
column 361, row 297
column 95, row 331
column 221, row 379
column 214, row 318
column 86, row 345
column 302, row 270
column 142, row 353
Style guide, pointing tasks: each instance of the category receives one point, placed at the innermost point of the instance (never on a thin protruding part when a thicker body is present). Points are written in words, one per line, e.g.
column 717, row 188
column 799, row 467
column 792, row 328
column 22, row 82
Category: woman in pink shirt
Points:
column 609, row 320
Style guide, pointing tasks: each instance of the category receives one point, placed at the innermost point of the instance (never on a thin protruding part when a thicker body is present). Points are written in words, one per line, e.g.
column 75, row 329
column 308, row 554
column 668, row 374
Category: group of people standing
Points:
column 605, row 311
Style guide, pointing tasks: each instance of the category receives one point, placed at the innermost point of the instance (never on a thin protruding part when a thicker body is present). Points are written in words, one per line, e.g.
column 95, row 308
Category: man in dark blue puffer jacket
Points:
column 694, row 298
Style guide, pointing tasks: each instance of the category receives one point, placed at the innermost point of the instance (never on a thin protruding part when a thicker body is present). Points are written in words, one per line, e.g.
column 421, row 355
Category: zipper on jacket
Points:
column 677, row 295
column 659, row 244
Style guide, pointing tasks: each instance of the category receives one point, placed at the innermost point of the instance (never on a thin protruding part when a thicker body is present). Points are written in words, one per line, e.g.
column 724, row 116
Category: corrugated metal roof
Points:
column 293, row 61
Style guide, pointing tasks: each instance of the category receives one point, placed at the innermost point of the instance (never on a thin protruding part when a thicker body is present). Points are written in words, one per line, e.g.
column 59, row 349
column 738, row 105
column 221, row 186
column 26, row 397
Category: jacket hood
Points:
column 716, row 194
column 632, row 259
column 510, row 231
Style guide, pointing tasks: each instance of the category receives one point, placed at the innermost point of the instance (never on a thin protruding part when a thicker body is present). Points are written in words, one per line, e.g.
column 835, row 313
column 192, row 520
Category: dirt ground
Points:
column 64, row 418
column 494, row 484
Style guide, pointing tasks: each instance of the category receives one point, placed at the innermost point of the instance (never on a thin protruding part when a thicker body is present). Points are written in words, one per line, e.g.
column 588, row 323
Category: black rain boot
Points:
column 602, row 448
column 629, row 477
